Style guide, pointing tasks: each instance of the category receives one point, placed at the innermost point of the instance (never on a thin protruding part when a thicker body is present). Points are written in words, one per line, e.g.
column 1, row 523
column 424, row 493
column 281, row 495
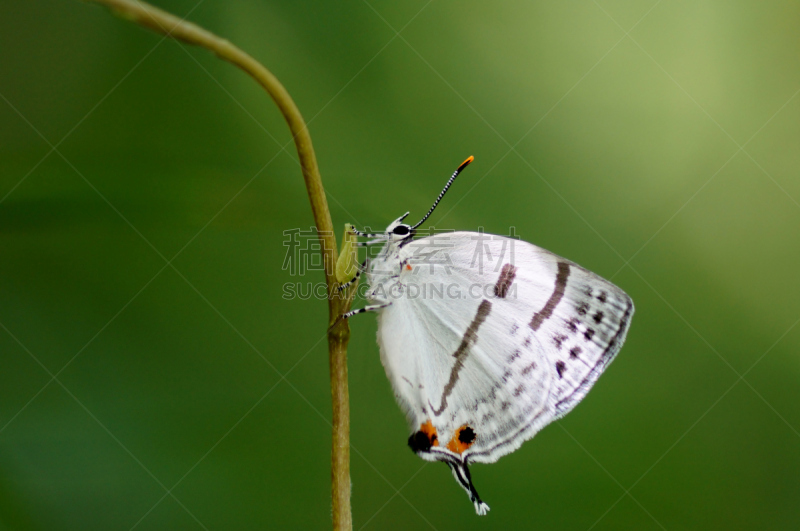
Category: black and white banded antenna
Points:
column 441, row 195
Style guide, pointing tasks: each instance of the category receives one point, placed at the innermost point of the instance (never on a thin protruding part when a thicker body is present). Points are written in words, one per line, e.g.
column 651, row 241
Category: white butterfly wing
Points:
column 489, row 339
column 455, row 370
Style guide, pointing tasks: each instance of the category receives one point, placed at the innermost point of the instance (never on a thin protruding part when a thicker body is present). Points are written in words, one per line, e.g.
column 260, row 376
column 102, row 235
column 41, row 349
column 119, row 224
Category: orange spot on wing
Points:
column 458, row 443
column 430, row 431
column 408, row 266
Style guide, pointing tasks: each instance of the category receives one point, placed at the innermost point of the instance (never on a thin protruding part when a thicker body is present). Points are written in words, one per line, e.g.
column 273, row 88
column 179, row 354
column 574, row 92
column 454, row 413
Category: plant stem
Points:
column 338, row 336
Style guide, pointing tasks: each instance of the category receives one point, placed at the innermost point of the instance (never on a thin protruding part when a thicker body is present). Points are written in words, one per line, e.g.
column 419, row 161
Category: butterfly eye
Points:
column 401, row 230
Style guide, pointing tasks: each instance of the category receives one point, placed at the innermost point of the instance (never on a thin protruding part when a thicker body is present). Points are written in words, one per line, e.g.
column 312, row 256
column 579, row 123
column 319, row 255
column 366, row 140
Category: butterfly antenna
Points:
column 441, row 195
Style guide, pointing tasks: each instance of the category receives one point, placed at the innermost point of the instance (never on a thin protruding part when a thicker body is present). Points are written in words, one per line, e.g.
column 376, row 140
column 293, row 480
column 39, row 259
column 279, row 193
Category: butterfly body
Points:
column 487, row 339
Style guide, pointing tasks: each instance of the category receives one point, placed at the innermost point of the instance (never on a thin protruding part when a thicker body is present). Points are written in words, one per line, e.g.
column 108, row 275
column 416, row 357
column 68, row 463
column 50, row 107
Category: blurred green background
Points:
column 664, row 158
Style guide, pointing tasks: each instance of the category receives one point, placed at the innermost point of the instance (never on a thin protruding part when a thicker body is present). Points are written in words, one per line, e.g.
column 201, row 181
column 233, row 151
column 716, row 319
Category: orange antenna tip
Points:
column 463, row 164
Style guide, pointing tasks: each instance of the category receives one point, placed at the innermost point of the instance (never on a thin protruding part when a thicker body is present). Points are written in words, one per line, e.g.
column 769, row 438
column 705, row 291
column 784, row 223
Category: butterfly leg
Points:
column 365, row 309
column 361, row 268
column 364, row 234
column 371, row 242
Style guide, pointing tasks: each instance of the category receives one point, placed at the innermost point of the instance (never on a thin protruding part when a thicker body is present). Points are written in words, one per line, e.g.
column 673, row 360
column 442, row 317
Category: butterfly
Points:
column 485, row 339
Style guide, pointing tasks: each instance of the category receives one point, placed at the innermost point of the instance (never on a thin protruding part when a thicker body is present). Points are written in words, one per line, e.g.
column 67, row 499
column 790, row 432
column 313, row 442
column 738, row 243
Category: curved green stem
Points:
column 338, row 336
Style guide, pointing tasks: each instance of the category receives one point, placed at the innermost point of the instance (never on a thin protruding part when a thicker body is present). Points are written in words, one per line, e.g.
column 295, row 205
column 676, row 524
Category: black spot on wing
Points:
column 558, row 340
column 560, row 368
column 466, row 435
column 419, row 442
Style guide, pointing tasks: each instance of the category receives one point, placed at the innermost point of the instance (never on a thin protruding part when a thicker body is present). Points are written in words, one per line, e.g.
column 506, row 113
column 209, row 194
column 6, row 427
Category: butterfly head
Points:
column 399, row 231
